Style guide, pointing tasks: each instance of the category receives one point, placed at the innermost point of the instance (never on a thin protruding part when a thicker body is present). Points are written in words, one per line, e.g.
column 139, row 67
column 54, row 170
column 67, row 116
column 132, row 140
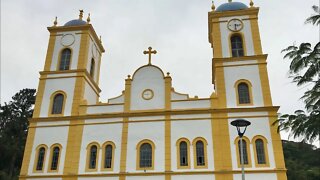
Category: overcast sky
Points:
column 176, row 29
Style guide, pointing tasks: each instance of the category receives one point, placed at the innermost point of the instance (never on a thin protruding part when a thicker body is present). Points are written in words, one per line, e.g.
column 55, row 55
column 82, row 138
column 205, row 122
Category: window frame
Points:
column 179, row 166
column 236, row 86
column 36, row 159
column 103, row 168
column 92, row 69
column 205, row 152
column 88, row 169
column 138, row 154
column 243, row 44
column 246, row 139
column 52, row 102
column 265, row 147
column 60, row 56
column 51, row 157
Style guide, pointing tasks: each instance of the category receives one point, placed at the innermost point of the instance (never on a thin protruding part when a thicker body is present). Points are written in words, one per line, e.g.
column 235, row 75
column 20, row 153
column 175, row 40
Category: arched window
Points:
column 183, row 154
column 93, row 157
column 200, row 153
column 65, row 59
column 92, row 66
column 145, row 155
column 260, row 152
column 55, row 158
column 57, row 104
column 108, row 157
column 236, row 45
column 245, row 152
column 40, row 161
column 243, row 93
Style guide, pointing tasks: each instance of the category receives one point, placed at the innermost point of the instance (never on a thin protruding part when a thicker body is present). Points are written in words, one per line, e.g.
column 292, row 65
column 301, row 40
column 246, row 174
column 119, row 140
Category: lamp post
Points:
column 241, row 125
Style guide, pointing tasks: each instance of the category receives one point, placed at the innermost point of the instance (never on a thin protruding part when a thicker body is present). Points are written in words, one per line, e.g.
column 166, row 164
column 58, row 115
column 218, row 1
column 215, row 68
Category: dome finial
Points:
column 100, row 39
column 81, row 14
column 212, row 6
column 55, row 22
column 88, row 19
column 251, row 3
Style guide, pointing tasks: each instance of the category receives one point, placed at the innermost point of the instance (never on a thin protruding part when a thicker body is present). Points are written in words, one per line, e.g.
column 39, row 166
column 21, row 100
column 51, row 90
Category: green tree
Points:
column 305, row 70
column 302, row 160
column 13, row 132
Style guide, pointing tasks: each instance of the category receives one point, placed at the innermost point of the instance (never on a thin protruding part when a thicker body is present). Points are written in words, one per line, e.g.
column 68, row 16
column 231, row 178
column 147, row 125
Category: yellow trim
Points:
column 147, row 98
column 28, row 149
column 51, row 103
column 104, row 156
column 59, row 59
column 244, row 138
column 124, row 135
column 276, row 142
column 50, row 50
column 266, row 154
column 138, row 155
column 260, row 58
column 265, row 86
column 51, row 156
column 87, row 169
column 165, row 112
column 248, row 83
column 244, row 44
column 178, row 153
column 37, row 156
column 205, row 144
column 255, row 34
column 168, row 88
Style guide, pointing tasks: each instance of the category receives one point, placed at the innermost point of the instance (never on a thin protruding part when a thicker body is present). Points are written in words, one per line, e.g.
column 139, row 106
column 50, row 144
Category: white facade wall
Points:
column 193, row 177
column 191, row 130
column 153, row 131
column 250, row 73
column 100, row 134
column 89, row 94
column 259, row 126
column 190, row 104
column 105, row 109
column 53, row 85
column 226, row 34
column 147, row 77
column 260, row 176
column 58, row 47
column 145, row 177
column 49, row 136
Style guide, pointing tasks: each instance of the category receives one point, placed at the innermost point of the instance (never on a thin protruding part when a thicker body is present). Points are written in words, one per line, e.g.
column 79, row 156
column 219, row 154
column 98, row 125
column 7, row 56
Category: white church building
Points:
column 150, row 131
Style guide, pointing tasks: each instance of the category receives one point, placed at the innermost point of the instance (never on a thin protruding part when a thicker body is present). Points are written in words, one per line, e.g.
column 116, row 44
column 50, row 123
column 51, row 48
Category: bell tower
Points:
column 237, row 55
column 72, row 68
column 70, row 78
column 240, row 78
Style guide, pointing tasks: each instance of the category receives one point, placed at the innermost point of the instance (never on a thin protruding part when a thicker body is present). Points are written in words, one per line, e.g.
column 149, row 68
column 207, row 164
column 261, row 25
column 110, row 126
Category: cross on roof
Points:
column 149, row 52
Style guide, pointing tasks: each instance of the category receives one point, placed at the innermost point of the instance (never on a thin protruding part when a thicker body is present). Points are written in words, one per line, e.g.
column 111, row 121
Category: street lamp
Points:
column 241, row 125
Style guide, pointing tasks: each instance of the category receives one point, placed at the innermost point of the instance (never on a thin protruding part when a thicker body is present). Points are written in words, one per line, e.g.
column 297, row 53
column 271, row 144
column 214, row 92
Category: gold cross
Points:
column 149, row 52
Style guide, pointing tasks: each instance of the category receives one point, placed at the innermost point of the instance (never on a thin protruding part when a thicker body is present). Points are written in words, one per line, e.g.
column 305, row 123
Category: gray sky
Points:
column 176, row 29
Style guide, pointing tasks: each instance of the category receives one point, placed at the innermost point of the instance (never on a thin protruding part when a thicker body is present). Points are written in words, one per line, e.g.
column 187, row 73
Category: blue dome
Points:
column 231, row 6
column 75, row 22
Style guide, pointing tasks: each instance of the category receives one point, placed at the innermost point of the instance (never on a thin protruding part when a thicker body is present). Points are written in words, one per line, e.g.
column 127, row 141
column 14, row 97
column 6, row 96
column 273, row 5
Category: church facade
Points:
column 150, row 131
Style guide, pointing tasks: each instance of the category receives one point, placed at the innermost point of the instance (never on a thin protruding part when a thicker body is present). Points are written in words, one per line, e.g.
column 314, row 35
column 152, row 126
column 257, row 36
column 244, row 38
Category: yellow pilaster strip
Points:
column 28, row 150
column 71, row 166
column 216, row 38
column 265, row 87
column 255, row 34
column 168, row 86
column 52, row 41
column 220, row 129
column 277, row 147
column 124, row 137
column 84, row 45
